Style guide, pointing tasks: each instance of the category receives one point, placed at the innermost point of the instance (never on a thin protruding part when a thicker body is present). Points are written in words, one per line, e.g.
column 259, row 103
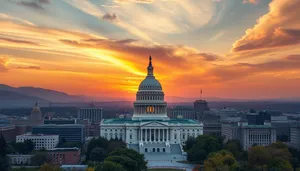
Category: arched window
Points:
column 158, row 150
column 153, row 150
column 146, row 150
column 164, row 150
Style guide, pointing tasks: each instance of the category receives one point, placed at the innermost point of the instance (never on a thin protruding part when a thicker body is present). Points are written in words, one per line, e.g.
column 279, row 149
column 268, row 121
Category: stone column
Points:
column 154, row 137
column 150, row 136
column 167, row 134
column 140, row 134
column 163, row 131
column 159, row 135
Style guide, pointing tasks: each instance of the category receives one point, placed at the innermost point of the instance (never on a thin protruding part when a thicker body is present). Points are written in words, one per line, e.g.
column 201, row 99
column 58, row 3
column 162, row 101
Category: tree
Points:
column 125, row 161
column 219, row 161
column 48, row 167
column 258, row 156
column 196, row 155
column 98, row 154
column 40, row 158
column 25, row 147
column 132, row 154
column 99, row 142
column 4, row 160
column 110, row 166
column 29, row 145
column 114, row 144
column 235, row 148
column 205, row 144
column 279, row 149
column 279, row 163
column 189, row 143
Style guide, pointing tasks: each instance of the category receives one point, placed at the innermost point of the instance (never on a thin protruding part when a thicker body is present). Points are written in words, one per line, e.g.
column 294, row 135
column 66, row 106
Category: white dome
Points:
column 150, row 84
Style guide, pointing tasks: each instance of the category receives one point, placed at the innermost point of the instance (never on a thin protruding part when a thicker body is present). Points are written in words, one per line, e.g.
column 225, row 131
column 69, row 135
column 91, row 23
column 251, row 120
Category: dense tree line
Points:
column 25, row 147
column 113, row 155
column 4, row 160
column 217, row 156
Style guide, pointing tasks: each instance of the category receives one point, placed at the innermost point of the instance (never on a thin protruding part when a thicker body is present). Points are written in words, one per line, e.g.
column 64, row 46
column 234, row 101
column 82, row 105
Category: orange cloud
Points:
column 278, row 28
column 3, row 64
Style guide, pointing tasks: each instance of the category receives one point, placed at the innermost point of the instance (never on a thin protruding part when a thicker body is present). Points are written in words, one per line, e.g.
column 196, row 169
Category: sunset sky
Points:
column 245, row 49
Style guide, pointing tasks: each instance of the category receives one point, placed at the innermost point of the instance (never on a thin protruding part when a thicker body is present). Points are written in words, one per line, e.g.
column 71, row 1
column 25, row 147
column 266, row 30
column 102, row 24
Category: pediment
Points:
column 154, row 124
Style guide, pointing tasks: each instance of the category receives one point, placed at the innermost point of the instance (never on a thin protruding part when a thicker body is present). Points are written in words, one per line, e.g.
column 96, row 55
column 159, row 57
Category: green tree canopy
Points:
column 115, row 144
column 204, row 145
column 236, row 149
column 109, row 166
column 48, row 167
column 39, row 158
column 258, row 155
column 132, row 154
column 222, row 160
column 98, row 154
column 189, row 143
column 125, row 161
column 279, row 164
column 99, row 142
column 4, row 160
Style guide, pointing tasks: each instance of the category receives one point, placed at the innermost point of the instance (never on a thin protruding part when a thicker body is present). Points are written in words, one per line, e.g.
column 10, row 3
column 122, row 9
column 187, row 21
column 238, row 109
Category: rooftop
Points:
column 257, row 126
column 65, row 149
column 59, row 125
column 36, row 135
column 129, row 120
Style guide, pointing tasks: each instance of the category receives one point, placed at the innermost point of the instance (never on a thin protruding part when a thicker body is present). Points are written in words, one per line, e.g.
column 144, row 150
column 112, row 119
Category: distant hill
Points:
column 14, row 99
column 46, row 94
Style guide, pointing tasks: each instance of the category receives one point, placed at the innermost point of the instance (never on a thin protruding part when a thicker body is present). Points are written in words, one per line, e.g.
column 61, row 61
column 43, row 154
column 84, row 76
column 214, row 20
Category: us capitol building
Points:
column 150, row 129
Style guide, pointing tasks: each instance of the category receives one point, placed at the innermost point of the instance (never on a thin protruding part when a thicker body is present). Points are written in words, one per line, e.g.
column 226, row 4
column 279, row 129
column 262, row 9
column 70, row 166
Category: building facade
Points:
column 93, row 114
column 150, row 129
column 200, row 106
column 249, row 135
column 69, row 132
column 70, row 156
column 181, row 112
column 19, row 159
column 41, row 141
column 8, row 131
column 295, row 135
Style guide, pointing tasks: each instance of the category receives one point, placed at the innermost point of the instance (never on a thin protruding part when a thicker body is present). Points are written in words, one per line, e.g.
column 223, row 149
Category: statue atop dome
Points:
column 150, row 61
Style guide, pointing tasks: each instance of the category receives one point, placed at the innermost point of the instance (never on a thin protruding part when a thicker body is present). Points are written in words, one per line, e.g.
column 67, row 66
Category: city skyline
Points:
column 238, row 49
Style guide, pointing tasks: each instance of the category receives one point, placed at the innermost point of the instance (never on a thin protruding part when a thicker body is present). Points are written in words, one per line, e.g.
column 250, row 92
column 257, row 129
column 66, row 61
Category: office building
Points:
column 69, row 132
column 92, row 113
column 295, row 135
column 259, row 118
column 41, row 141
column 249, row 135
column 60, row 121
column 200, row 106
column 8, row 130
column 70, row 156
column 182, row 112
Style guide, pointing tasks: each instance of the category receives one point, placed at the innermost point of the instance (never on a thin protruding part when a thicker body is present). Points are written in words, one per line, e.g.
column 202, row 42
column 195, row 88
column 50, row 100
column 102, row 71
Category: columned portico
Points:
column 153, row 135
